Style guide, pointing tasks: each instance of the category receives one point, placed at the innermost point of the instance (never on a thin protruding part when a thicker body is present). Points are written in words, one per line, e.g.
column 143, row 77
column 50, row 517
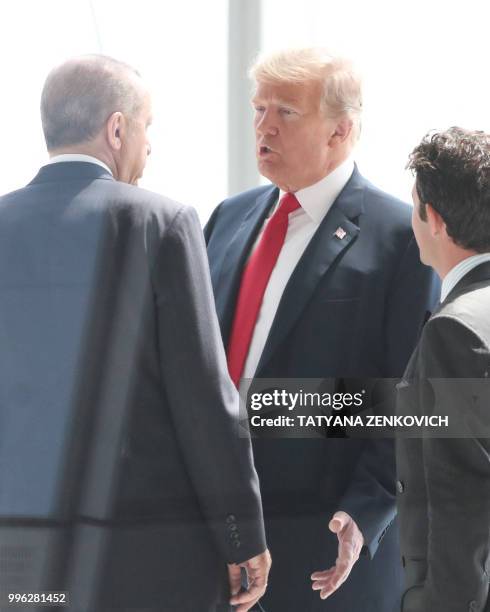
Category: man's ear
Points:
column 435, row 221
column 115, row 130
column 342, row 131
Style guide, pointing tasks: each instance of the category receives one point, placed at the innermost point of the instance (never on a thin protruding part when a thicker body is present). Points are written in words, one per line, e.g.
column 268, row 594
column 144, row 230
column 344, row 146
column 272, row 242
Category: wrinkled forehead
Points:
column 295, row 93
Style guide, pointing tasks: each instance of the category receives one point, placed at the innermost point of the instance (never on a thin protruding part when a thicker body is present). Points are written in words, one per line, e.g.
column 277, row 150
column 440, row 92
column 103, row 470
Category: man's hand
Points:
column 257, row 570
column 351, row 541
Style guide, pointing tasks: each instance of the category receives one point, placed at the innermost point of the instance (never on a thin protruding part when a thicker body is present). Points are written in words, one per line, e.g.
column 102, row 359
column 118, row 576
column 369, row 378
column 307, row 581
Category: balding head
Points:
column 80, row 95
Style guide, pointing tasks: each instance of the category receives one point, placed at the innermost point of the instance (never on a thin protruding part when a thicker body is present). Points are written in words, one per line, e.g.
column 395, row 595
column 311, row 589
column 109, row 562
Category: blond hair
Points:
column 342, row 92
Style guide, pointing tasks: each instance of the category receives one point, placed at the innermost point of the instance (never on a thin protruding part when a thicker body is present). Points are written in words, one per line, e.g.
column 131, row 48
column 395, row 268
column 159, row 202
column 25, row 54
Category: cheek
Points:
column 143, row 147
column 416, row 221
column 413, row 217
column 311, row 149
column 419, row 230
column 143, row 157
column 297, row 143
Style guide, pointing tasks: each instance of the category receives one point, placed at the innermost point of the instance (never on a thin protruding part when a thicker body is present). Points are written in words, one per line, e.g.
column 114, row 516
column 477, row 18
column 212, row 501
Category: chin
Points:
column 267, row 172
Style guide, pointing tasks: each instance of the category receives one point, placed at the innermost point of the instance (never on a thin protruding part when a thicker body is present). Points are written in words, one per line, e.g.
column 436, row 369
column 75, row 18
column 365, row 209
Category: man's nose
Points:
column 266, row 125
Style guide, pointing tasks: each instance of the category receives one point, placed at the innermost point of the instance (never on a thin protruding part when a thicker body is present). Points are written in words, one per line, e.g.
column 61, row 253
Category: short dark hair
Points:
column 80, row 95
column 452, row 170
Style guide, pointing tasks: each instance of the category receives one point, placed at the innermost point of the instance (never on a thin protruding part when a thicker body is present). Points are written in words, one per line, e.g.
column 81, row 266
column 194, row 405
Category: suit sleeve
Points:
column 457, row 468
column 371, row 497
column 202, row 398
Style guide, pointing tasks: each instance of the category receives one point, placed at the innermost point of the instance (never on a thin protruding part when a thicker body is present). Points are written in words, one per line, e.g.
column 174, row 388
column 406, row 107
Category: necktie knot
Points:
column 288, row 203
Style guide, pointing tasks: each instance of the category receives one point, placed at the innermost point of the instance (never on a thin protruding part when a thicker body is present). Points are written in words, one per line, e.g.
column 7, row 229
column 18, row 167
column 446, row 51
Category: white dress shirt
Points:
column 316, row 200
column 456, row 274
column 77, row 157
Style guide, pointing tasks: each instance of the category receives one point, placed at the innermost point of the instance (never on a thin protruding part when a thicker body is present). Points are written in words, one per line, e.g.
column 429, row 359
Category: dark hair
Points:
column 452, row 170
column 80, row 95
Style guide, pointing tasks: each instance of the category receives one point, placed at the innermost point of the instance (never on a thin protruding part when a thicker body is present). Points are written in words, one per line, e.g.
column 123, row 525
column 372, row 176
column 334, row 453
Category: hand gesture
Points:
column 351, row 541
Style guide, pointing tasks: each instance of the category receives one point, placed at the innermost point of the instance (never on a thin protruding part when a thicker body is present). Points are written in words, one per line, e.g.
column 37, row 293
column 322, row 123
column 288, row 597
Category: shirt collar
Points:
column 78, row 157
column 317, row 199
column 456, row 274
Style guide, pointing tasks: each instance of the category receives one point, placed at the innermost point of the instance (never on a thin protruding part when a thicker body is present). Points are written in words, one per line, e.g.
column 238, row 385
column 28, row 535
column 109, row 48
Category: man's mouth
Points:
column 264, row 150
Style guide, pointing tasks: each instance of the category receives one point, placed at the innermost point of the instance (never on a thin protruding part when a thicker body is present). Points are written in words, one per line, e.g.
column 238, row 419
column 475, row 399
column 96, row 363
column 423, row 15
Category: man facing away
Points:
column 444, row 481
column 117, row 409
column 315, row 276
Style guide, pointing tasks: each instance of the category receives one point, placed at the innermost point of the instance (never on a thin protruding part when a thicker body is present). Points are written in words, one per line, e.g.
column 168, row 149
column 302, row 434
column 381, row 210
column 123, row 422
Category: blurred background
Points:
column 424, row 64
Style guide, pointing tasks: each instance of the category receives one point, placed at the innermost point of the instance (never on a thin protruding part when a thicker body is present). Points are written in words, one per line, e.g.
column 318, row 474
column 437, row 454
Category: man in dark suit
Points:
column 444, row 476
column 327, row 283
column 122, row 465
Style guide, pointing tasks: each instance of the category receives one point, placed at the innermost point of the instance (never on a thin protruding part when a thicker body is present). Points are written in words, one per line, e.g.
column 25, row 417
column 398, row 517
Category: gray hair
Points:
column 80, row 95
column 342, row 91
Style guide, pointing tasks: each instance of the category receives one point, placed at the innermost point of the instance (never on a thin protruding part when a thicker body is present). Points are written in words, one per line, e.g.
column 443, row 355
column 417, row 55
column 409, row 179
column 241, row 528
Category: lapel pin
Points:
column 340, row 233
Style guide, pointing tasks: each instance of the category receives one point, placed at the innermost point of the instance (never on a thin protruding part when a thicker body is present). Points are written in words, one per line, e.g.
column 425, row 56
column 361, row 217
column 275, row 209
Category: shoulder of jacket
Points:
column 248, row 196
column 469, row 310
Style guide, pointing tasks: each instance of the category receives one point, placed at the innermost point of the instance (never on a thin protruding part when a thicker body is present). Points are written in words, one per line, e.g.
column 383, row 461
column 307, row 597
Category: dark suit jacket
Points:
column 118, row 419
column 444, row 482
column 353, row 307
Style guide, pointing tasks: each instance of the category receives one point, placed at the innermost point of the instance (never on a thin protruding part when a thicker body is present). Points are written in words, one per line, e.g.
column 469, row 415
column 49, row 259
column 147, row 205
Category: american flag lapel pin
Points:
column 340, row 233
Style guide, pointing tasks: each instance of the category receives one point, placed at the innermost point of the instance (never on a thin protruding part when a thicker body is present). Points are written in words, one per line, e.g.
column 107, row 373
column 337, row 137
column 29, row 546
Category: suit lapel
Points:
column 235, row 257
column 326, row 246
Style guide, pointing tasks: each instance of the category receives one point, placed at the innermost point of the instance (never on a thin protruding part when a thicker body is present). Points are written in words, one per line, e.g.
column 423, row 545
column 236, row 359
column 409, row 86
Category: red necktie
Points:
column 254, row 282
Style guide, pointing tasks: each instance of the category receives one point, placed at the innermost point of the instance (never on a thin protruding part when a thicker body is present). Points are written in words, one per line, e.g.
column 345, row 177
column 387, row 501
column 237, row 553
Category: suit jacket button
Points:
column 473, row 606
column 231, row 518
column 234, row 535
column 236, row 543
column 400, row 486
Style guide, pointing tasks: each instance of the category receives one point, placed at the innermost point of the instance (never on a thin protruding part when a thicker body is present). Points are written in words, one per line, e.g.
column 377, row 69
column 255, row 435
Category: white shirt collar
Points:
column 456, row 274
column 317, row 199
column 77, row 157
